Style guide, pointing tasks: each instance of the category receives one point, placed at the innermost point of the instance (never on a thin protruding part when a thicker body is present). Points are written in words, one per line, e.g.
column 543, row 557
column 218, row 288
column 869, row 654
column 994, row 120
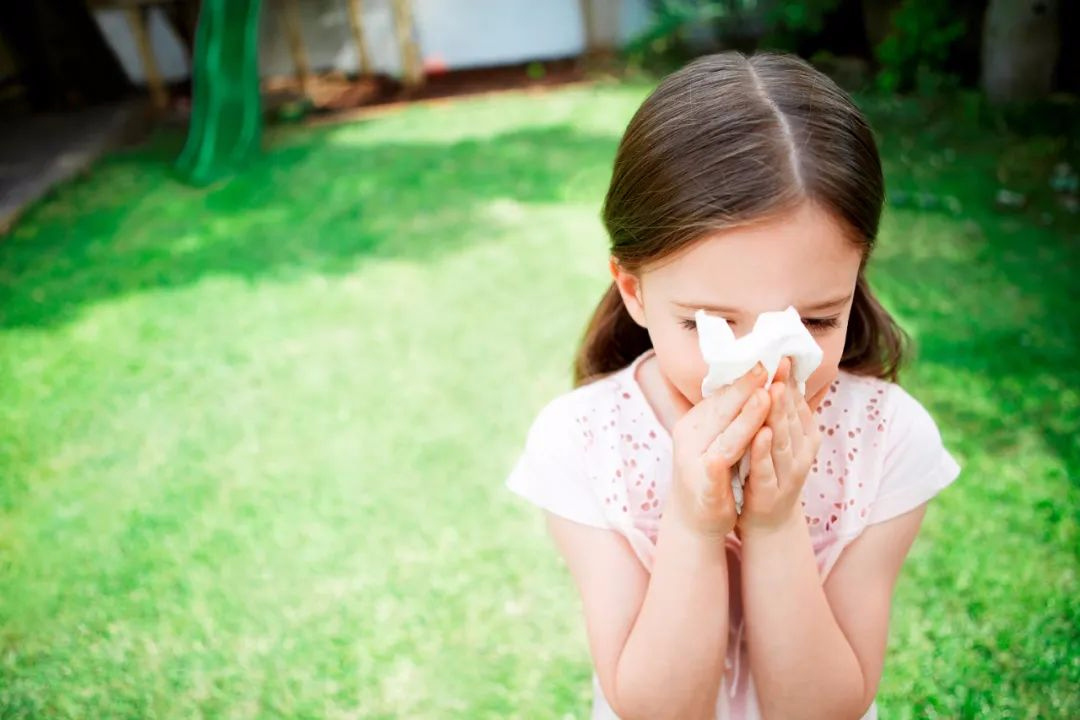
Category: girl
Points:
column 742, row 185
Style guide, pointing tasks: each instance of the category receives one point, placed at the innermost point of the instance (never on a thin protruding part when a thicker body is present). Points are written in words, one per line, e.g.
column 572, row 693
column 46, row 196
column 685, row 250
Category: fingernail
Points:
column 759, row 370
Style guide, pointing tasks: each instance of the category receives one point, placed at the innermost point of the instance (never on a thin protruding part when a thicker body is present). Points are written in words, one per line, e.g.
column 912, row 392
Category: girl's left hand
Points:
column 781, row 454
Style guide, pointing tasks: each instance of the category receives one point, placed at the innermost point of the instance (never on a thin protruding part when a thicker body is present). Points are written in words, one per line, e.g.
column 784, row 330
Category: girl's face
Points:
column 802, row 259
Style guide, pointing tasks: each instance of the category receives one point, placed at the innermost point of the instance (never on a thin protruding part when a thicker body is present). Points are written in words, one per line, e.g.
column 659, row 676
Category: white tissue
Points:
column 775, row 334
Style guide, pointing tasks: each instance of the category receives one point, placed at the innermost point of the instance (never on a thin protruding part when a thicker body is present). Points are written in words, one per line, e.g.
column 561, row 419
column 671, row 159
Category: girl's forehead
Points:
column 804, row 258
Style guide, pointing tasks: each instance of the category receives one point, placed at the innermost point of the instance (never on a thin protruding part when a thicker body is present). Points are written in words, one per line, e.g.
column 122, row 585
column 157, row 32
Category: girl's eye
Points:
column 821, row 324
column 814, row 324
column 691, row 324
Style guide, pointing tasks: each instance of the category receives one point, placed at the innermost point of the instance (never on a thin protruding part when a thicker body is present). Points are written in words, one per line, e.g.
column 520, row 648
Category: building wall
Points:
column 453, row 33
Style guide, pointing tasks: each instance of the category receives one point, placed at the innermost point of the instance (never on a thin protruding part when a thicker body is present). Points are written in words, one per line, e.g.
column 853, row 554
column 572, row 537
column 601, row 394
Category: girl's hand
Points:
column 707, row 442
column 781, row 455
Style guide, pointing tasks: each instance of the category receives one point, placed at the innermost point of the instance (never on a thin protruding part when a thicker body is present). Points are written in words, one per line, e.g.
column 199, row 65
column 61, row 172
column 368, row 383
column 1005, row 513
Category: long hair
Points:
column 730, row 140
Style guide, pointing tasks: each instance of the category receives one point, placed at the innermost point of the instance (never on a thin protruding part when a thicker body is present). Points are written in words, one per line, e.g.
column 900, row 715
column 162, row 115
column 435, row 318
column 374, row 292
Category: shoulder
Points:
column 881, row 411
column 912, row 463
column 881, row 456
column 913, row 427
column 572, row 418
column 887, row 411
column 558, row 467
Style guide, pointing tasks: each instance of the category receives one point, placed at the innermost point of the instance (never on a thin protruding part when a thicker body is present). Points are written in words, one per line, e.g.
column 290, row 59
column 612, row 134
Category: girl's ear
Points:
column 629, row 286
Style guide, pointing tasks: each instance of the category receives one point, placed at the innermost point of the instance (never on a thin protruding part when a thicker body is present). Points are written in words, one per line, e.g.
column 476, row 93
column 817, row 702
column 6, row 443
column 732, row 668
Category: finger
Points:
column 778, row 423
column 713, row 414
column 805, row 414
column 795, row 429
column 810, row 430
column 731, row 444
column 777, row 419
column 783, row 370
column 717, row 489
column 762, row 471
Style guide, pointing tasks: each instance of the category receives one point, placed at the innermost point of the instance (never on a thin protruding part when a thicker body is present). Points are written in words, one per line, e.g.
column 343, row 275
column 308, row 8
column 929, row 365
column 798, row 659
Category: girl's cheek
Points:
column 820, row 379
column 689, row 382
column 829, row 369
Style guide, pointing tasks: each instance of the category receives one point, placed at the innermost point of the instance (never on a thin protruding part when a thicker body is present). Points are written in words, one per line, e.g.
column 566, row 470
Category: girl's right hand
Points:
column 708, row 442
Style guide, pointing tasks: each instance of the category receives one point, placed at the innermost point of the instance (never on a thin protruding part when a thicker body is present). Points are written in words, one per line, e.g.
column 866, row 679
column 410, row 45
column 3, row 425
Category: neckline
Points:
column 639, row 391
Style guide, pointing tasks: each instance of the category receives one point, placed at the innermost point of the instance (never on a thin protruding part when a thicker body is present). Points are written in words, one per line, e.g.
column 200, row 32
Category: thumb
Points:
column 717, row 477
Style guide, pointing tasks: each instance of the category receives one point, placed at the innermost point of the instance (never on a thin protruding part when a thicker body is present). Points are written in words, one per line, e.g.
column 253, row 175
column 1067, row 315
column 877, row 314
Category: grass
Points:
column 252, row 436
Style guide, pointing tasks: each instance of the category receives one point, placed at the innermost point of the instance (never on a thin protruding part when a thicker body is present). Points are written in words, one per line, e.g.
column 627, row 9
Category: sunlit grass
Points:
column 253, row 436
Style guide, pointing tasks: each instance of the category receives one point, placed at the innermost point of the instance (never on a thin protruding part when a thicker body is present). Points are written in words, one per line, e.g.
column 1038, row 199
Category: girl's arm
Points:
column 659, row 642
column 817, row 652
column 658, row 645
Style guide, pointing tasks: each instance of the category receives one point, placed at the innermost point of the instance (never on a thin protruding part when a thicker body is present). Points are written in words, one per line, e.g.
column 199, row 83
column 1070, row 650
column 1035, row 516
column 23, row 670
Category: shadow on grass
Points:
column 991, row 298
column 315, row 206
column 995, row 299
column 991, row 293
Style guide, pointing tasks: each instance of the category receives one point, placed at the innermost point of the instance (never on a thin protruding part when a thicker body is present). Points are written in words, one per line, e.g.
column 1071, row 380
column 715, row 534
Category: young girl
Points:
column 742, row 185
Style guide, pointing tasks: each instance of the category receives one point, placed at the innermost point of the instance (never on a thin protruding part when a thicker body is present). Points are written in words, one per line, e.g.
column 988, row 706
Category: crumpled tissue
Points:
column 775, row 335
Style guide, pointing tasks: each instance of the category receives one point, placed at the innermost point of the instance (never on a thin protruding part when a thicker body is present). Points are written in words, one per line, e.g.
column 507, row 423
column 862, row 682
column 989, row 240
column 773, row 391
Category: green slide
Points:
column 226, row 116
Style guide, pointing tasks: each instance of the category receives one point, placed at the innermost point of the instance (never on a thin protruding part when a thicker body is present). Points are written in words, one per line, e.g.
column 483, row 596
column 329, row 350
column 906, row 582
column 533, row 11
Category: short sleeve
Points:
column 551, row 471
column 916, row 465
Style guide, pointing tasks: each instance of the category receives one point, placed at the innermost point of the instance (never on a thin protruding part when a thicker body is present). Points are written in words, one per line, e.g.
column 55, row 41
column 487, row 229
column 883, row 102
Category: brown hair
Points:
column 731, row 140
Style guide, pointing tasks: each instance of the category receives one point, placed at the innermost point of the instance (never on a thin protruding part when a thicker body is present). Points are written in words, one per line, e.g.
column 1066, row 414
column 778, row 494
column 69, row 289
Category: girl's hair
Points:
column 731, row 140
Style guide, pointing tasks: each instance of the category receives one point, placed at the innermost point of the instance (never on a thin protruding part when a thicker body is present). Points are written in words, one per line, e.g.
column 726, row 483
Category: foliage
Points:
column 788, row 22
column 661, row 43
column 782, row 23
column 914, row 53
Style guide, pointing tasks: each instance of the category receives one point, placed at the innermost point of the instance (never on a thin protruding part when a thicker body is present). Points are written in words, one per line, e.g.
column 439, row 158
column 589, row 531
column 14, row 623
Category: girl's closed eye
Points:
column 813, row 324
column 691, row 323
column 821, row 324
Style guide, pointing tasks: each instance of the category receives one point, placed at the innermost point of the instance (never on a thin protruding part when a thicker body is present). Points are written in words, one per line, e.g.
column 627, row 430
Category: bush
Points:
column 790, row 22
column 913, row 55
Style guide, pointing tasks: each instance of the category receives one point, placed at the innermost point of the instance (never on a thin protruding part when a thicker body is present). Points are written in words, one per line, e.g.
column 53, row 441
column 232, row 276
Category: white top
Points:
column 598, row 455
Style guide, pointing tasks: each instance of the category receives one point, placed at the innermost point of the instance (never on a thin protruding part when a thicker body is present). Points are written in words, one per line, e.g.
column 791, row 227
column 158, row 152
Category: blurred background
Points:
column 283, row 283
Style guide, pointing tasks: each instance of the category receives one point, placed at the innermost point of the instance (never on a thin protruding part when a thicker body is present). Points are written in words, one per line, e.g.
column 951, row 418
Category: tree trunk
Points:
column 356, row 23
column 410, row 53
column 138, row 18
column 1020, row 47
column 877, row 16
column 294, row 31
column 600, row 22
column 588, row 22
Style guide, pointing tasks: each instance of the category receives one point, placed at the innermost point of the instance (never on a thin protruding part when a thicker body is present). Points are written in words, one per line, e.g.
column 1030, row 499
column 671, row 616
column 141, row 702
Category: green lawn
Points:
column 253, row 436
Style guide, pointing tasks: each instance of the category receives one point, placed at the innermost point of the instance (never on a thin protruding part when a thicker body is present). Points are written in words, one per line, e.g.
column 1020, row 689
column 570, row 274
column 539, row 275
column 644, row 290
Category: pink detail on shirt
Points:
column 581, row 440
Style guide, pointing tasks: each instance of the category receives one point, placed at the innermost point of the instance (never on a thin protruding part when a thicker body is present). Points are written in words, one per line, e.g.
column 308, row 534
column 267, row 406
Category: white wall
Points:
column 489, row 32
column 456, row 33
column 327, row 37
column 172, row 59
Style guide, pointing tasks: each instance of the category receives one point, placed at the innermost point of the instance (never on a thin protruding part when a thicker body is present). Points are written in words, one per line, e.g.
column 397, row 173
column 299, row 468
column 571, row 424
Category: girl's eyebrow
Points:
column 828, row 304
column 817, row 307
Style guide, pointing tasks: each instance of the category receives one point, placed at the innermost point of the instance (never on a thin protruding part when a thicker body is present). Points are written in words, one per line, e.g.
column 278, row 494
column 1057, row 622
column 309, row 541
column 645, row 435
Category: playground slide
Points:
column 226, row 115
